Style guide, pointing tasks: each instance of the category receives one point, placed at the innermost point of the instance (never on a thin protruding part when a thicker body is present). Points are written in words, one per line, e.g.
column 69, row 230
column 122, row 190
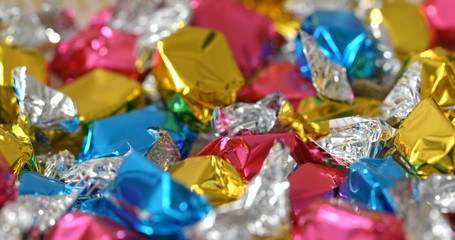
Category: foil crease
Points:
column 57, row 165
column 21, row 28
column 27, row 211
column 403, row 97
column 262, row 211
column 420, row 220
column 439, row 191
column 163, row 152
column 329, row 79
column 43, row 106
column 353, row 138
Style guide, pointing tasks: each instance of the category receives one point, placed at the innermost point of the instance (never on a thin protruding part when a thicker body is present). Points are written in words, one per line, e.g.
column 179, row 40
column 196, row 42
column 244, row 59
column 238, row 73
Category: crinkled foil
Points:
column 439, row 191
column 163, row 152
column 94, row 175
column 403, row 97
column 17, row 217
column 57, row 165
column 260, row 117
column 262, row 211
column 353, row 138
column 22, row 28
column 306, row 7
column 329, row 79
column 420, row 220
column 44, row 106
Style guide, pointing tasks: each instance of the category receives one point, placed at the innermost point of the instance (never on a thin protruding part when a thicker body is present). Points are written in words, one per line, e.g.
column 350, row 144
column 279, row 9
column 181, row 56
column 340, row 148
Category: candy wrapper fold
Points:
column 163, row 152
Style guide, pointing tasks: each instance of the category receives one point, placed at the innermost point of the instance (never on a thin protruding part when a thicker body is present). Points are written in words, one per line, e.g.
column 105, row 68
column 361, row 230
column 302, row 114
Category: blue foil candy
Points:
column 343, row 38
column 369, row 179
column 36, row 184
column 114, row 135
column 147, row 199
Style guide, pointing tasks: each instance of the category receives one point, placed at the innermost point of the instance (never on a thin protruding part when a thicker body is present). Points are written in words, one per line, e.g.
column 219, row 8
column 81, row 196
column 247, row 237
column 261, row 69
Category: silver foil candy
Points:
column 58, row 21
column 44, row 106
column 403, row 97
column 353, row 138
column 21, row 28
column 163, row 152
column 27, row 211
column 260, row 117
column 262, row 211
column 306, row 7
column 329, row 79
column 420, row 220
column 57, row 165
column 439, row 191
column 94, row 175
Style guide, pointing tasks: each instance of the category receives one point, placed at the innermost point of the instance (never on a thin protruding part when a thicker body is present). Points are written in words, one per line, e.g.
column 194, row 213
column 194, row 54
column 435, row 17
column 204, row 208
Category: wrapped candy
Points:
column 8, row 188
column 329, row 219
column 97, row 47
column 353, row 138
column 194, row 83
column 44, row 107
column 163, row 209
column 437, row 190
column 428, row 149
column 329, row 79
column 163, row 152
column 56, row 165
column 114, row 136
column 438, row 14
column 309, row 182
column 211, row 177
column 368, row 182
column 35, row 184
column 243, row 24
column 262, row 211
column 92, row 99
column 70, row 226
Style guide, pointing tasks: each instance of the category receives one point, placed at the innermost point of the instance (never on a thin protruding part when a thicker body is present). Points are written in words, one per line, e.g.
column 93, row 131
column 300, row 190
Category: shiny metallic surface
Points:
column 403, row 97
column 57, row 165
column 163, row 152
column 44, row 106
column 353, row 138
column 438, row 190
column 329, row 79
column 262, row 211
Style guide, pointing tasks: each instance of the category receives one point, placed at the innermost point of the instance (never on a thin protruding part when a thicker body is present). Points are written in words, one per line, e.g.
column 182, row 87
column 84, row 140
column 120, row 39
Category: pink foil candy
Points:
column 8, row 189
column 78, row 225
column 441, row 17
column 97, row 47
column 337, row 219
column 309, row 182
column 283, row 77
column 251, row 36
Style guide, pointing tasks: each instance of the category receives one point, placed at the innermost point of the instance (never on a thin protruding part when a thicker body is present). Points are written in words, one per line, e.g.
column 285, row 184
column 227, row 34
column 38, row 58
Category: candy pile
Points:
column 228, row 119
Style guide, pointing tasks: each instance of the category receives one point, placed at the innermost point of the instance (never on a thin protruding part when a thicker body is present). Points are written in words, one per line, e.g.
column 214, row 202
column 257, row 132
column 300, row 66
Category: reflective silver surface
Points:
column 163, row 152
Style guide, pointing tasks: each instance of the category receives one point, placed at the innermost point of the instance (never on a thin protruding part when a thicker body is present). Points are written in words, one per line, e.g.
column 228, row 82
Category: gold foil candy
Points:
column 195, row 72
column 426, row 138
column 210, row 176
column 101, row 93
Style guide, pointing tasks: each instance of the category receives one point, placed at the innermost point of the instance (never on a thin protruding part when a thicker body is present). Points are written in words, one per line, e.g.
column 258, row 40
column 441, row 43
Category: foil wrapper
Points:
column 101, row 93
column 329, row 79
column 310, row 182
column 44, row 107
column 163, row 210
column 307, row 7
column 441, row 20
column 163, row 152
column 261, row 117
column 21, row 28
column 115, row 135
column 426, row 138
column 8, row 186
column 420, row 220
column 368, row 182
column 57, row 165
column 211, row 177
column 19, row 216
column 194, row 83
column 79, row 226
column 338, row 219
column 32, row 183
column 403, row 97
column 247, row 153
column 353, row 138
column 59, row 21
column 262, row 211
column 437, row 190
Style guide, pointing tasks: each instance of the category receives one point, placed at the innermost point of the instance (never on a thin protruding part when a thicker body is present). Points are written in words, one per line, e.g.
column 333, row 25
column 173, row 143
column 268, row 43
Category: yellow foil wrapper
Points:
column 10, row 58
column 426, row 138
column 407, row 27
column 101, row 93
column 195, row 72
column 16, row 147
column 210, row 176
